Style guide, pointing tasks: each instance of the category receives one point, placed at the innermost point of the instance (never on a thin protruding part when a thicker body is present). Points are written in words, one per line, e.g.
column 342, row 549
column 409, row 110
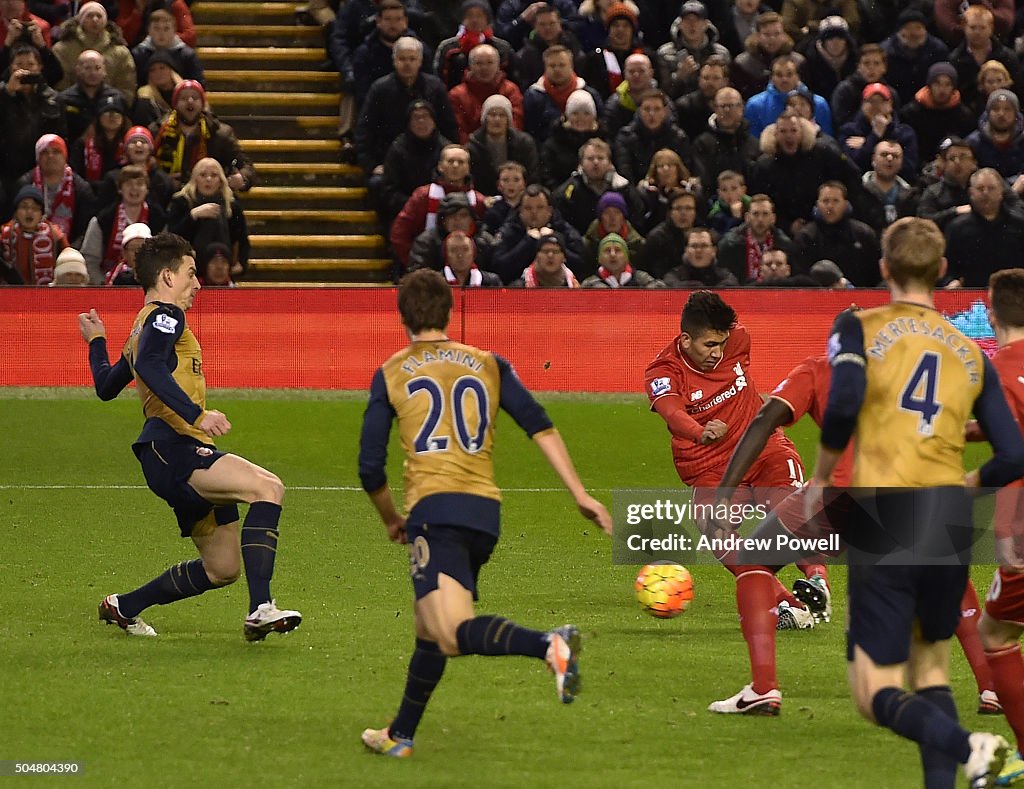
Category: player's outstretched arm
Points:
column 108, row 380
column 393, row 522
column 557, row 454
column 773, row 414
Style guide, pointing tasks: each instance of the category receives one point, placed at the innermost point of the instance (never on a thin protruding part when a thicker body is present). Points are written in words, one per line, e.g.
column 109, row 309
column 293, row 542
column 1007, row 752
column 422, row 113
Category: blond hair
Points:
column 190, row 191
column 913, row 248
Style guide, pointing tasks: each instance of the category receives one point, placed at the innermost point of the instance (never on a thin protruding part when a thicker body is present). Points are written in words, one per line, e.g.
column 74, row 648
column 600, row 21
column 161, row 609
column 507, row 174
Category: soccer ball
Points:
column 664, row 590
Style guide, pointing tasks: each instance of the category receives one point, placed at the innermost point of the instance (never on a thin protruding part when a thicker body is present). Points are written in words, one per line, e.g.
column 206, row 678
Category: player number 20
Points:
column 426, row 440
column 919, row 393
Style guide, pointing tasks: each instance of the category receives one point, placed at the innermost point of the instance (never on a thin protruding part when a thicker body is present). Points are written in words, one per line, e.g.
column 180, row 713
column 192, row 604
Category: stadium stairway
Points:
column 309, row 218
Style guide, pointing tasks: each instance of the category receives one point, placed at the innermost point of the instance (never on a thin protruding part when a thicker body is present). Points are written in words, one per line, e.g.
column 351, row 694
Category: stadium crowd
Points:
column 615, row 143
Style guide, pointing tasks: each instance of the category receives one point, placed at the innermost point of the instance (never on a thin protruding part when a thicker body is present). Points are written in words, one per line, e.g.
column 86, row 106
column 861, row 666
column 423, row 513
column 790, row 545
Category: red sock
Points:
column 1008, row 673
column 967, row 633
column 780, row 592
column 812, row 568
column 754, row 601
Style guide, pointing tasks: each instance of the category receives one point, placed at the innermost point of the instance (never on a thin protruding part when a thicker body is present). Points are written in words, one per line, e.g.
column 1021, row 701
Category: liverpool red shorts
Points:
column 1005, row 599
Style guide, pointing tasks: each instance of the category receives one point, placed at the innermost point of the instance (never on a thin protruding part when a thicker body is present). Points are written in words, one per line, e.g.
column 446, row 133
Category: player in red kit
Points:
column 1002, row 621
column 700, row 385
column 805, row 391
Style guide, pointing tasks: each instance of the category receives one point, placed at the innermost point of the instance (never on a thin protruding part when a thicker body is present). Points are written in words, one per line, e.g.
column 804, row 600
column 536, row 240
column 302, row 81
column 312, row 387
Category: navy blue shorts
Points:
column 167, row 466
column 454, row 551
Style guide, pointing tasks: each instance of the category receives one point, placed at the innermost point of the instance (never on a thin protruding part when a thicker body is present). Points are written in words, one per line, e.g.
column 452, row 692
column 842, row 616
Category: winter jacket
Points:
column 467, row 102
column 907, row 71
column 677, row 49
column 686, row 276
column 851, row 244
column 120, row 64
column 721, row 150
column 976, row 248
column 541, row 111
column 450, row 62
column 520, row 148
column 412, row 220
column 410, row 162
column 515, row 249
column 860, row 126
column 636, row 145
column 560, row 153
column 932, row 124
column 186, row 62
column 732, row 249
column 765, row 107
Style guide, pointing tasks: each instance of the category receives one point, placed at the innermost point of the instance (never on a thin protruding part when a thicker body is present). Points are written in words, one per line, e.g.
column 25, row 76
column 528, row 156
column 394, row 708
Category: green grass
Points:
column 199, row 705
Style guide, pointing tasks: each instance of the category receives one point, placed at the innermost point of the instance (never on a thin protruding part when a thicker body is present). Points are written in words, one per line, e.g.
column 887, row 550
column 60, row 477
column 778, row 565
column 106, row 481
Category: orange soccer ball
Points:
column 664, row 590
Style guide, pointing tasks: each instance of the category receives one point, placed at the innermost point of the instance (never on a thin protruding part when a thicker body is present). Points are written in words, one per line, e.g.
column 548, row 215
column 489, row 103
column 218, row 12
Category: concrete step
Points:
column 245, row 12
column 309, row 174
column 260, row 35
column 310, row 221
column 376, row 270
column 276, row 80
column 336, row 246
column 309, row 285
column 285, row 150
column 322, row 197
column 312, row 103
column 257, row 58
column 264, row 126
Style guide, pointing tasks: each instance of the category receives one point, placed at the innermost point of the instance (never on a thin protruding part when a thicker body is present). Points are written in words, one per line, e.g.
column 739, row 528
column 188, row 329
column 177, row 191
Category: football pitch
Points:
column 199, row 705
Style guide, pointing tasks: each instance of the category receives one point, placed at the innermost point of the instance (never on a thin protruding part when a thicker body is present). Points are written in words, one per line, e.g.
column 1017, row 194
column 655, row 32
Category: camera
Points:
column 33, row 79
column 26, row 32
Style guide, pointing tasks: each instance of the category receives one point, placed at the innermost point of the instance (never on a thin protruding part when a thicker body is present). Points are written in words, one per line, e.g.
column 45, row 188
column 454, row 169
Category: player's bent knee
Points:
column 448, row 643
column 270, row 488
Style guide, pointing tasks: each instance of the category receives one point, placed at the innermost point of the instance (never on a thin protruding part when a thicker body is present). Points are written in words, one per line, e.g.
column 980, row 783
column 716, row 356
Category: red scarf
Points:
column 755, row 251
column 560, row 95
column 112, row 254
column 468, row 39
column 615, row 282
column 94, row 158
column 475, row 279
column 32, row 254
column 435, row 192
column 61, row 211
column 530, row 277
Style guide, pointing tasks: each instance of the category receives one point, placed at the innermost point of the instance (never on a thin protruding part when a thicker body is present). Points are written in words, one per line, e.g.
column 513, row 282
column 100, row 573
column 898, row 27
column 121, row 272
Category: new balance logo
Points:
column 697, row 395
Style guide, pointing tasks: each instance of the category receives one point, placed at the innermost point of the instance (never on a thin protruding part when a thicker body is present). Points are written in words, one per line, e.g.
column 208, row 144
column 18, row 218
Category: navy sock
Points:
column 495, row 635
column 259, row 548
column 914, row 717
column 425, row 669
column 939, row 767
column 185, row 579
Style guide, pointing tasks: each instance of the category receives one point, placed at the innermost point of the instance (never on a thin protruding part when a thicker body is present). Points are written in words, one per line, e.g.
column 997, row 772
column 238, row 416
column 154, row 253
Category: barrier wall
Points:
column 567, row 341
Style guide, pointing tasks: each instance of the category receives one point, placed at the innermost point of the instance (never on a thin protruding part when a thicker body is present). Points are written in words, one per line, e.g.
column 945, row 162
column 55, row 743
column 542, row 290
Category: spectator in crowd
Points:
column 455, row 214
column 123, row 274
column 215, row 266
column 992, row 76
column 546, row 100
column 577, row 198
column 460, row 265
column 666, row 242
column 70, row 271
column 411, row 159
column 743, row 248
column 375, row 56
column 104, row 239
column 452, row 57
column 802, row 100
column 693, row 40
column 978, row 47
column 728, row 143
column 18, row 26
column 877, row 121
column 68, row 200
column 987, row 238
column 511, row 187
column 836, row 235
column 549, row 268
column 952, row 20
column 604, row 67
column 614, row 269
column 789, row 147
column 593, row 32
column 29, row 245
column 191, row 132
column 547, row 32
column 28, row 110
column 134, row 16
column 153, row 98
column 206, row 210
column 730, row 204
column 101, row 148
column 775, row 272
column 694, row 109
column 872, row 64
column 938, row 111
column 620, row 107
column 612, row 216
column 516, row 17
column 699, row 267
column 138, row 150
column 911, row 50
column 496, row 142
column 831, row 58
column 91, row 31
column 163, row 37
column 803, row 18
column 652, row 130
column 943, row 201
column 483, row 79
column 421, row 209
column 739, row 23
column 517, row 243
column 666, row 174
column 751, row 69
column 886, row 196
column 80, row 102
column 828, row 275
column 763, row 108
column 560, row 152
column 385, row 113
column 998, row 141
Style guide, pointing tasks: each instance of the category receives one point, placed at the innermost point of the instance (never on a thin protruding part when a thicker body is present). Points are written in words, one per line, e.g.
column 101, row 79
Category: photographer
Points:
column 17, row 25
